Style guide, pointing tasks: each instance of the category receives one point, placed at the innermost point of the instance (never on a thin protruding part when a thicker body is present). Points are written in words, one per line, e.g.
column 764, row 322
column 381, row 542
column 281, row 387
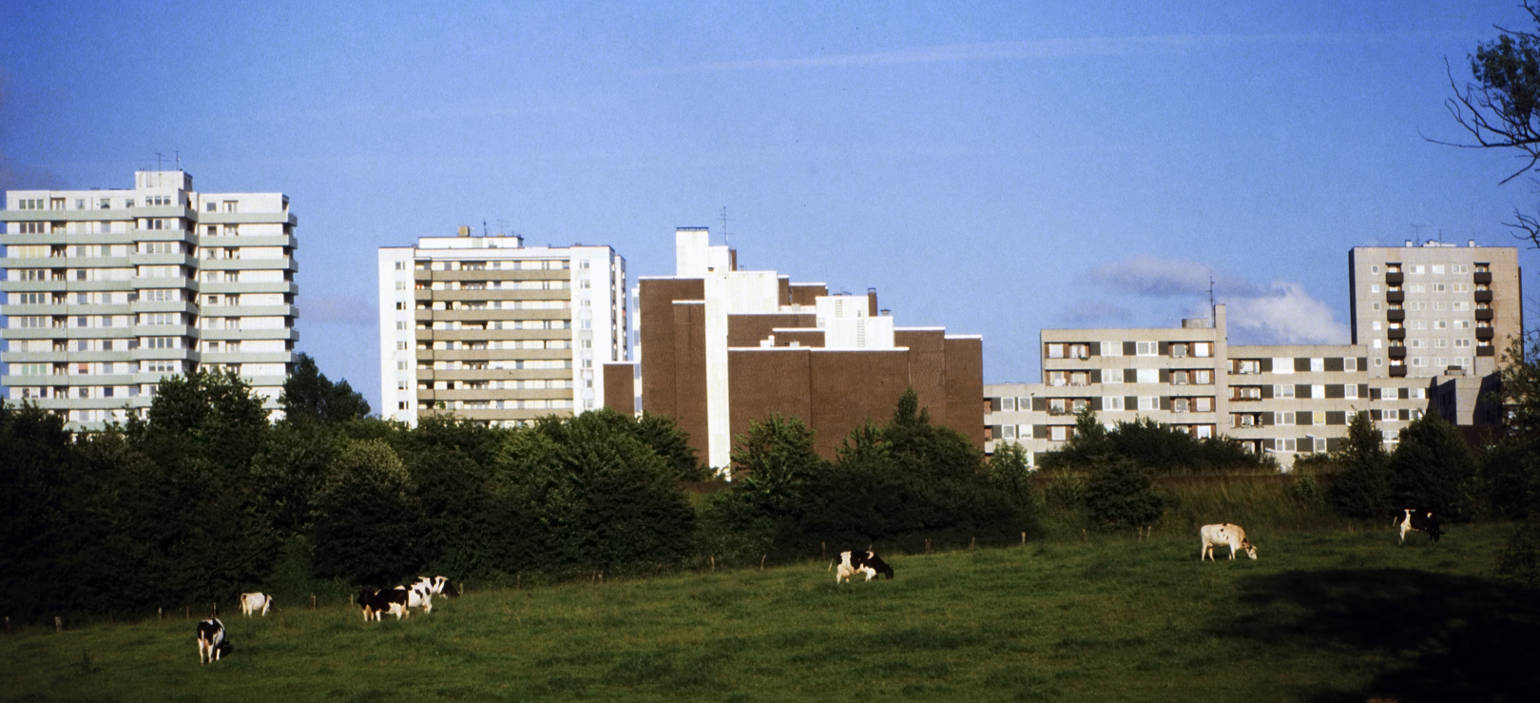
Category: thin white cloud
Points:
column 1164, row 278
column 1280, row 312
column 333, row 309
column 1015, row 50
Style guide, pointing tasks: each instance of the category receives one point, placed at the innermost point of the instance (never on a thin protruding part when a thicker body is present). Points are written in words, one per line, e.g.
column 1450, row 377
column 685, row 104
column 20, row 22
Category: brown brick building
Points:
column 721, row 348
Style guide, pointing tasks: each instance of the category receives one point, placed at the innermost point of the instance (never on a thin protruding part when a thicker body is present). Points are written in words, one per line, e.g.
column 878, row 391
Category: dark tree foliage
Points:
column 604, row 499
column 309, row 396
column 1361, row 487
column 1433, row 469
column 365, row 526
column 36, row 456
column 1120, row 494
column 206, row 414
column 1158, row 448
column 907, row 480
column 1511, row 468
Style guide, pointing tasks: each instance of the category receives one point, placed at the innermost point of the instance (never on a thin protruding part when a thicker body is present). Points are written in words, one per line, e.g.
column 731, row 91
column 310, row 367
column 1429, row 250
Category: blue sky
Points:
column 994, row 168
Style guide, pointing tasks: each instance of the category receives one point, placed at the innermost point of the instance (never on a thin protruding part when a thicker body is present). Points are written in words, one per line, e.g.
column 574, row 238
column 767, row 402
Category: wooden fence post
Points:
column 713, row 562
column 1023, row 538
column 823, row 551
column 762, row 561
column 312, row 601
column 58, row 624
column 972, row 542
column 7, row 624
column 160, row 613
column 927, row 545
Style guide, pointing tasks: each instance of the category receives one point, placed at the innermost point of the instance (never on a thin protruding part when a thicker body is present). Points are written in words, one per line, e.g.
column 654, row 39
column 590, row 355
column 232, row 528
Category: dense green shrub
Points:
column 1160, row 449
column 1360, row 488
column 1120, row 494
column 1432, row 469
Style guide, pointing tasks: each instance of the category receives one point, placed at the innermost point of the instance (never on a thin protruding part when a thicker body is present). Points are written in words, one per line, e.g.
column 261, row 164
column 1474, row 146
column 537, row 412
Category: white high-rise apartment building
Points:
column 108, row 291
column 493, row 331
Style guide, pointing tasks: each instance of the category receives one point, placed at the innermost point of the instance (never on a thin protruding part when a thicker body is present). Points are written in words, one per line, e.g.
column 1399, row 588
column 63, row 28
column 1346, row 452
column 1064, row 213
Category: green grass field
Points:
column 1322, row 616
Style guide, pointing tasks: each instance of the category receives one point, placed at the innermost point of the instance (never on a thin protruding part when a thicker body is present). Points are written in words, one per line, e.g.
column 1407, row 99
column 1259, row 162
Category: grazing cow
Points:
column 435, row 585
column 1411, row 519
column 211, row 641
column 418, row 596
column 255, row 602
column 1224, row 534
column 387, row 600
column 865, row 562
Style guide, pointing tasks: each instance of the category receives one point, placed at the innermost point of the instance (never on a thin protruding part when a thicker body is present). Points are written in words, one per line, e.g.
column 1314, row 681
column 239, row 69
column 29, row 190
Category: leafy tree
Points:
column 1362, row 487
column 1432, row 469
column 209, row 414
column 366, row 524
column 1159, row 448
column 37, row 453
column 605, row 499
column 309, row 396
column 1120, row 494
column 1512, row 469
column 1499, row 110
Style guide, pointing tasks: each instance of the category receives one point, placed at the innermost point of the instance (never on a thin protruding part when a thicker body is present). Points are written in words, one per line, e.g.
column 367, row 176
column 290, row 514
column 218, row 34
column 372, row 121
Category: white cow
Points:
column 255, row 602
column 1224, row 534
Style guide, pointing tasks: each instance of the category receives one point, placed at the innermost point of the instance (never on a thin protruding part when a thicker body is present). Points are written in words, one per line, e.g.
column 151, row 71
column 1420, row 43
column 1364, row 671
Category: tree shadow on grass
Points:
column 1443, row 637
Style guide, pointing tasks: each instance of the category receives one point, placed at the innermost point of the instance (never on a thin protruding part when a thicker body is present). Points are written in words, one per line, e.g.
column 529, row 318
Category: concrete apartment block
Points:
column 494, row 331
column 108, row 291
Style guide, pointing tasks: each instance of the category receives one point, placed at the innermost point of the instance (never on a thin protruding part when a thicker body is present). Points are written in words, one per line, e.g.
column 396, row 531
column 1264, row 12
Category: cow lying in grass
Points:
column 1224, row 535
column 865, row 562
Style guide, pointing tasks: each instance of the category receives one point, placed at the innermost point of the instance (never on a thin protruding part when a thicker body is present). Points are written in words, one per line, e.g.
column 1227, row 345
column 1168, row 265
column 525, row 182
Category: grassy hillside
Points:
column 1339, row 615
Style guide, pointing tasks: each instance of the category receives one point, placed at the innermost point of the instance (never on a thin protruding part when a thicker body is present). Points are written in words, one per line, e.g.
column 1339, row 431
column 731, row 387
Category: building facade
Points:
column 1422, row 310
column 1279, row 400
column 108, row 291
column 720, row 348
column 497, row 332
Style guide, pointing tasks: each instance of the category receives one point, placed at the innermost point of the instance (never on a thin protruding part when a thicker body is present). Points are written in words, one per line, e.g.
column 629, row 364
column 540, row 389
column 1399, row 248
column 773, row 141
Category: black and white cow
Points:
column 435, row 585
column 1410, row 519
column 376, row 603
column 860, row 561
column 256, row 603
column 211, row 641
column 420, row 595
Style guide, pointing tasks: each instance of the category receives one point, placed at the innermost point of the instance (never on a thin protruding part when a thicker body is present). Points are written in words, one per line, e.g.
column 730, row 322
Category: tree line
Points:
column 201, row 496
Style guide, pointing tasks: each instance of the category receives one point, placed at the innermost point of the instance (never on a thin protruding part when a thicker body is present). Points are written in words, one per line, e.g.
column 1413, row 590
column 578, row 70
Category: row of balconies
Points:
column 428, row 275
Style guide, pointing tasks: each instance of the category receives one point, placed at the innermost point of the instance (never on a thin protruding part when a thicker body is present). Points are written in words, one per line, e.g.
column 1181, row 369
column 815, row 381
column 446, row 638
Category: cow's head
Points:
column 1249, row 548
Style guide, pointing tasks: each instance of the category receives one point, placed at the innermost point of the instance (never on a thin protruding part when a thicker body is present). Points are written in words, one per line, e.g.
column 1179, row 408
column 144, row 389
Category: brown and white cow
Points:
column 1224, row 534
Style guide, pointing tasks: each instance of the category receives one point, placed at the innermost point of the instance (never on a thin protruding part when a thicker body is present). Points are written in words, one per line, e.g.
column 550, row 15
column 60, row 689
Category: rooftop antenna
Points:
column 1213, row 315
column 483, row 228
column 178, row 153
column 1417, row 231
column 725, row 240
